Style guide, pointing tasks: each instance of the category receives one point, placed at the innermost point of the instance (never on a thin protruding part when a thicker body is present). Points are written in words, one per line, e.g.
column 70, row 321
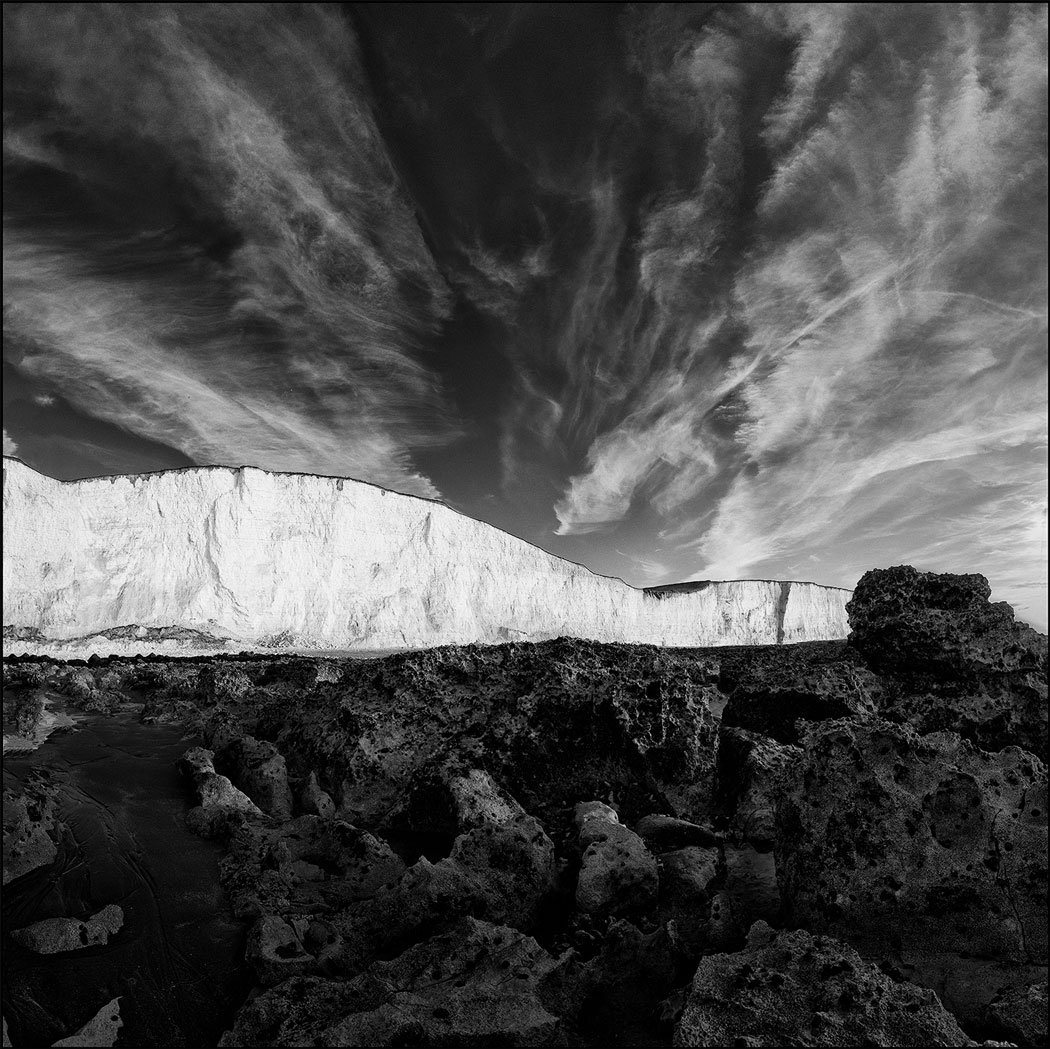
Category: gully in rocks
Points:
column 176, row 961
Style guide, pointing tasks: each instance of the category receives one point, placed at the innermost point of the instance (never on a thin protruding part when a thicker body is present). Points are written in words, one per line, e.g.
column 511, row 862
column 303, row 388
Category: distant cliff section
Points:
column 221, row 559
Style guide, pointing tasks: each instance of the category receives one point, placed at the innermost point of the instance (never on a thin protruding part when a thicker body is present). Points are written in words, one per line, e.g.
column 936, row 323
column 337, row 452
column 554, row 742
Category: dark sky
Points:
column 677, row 291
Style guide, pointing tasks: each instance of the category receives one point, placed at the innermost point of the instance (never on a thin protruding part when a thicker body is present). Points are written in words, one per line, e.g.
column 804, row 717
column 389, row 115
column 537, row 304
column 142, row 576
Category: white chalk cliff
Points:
column 258, row 560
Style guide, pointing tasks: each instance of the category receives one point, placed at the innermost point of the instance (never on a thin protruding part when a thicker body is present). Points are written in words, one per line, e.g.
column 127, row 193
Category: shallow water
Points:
column 178, row 961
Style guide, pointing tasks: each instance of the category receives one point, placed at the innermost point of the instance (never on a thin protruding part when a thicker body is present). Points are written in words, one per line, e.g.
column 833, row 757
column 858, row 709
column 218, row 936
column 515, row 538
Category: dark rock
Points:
column 617, row 996
column 259, row 769
column 666, row 832
column 921, row 848
column 791, row 988
column 316, row 801
column 1020, row 1015
column 31, row 829
column 222, row 806
column 276, row 951
column 551, row 722
column 747, row 780
column 771, row 699
column 55, row 935
column 475, row 984
column 309, row 864
column 689, row 879
column 618, row 874
column 958, row 662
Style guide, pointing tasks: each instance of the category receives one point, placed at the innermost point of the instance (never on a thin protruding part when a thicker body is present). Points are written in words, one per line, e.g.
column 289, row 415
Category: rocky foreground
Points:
column 574, row 843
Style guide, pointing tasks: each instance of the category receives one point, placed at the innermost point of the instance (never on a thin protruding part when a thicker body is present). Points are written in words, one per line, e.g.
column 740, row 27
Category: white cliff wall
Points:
column 337, row 564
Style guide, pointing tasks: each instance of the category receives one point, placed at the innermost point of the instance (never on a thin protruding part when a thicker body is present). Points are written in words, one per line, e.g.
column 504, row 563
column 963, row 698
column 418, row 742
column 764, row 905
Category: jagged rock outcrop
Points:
column 954, row 660
column 919, row 848
column 772, row 700
column 791, row 988
column 215, row 559
column 476, row 984
column 56, row 935
column 221, row 805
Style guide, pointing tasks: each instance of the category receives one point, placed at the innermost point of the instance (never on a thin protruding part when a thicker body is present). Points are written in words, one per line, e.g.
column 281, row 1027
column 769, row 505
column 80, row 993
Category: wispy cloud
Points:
column 10, row 447
column 893, row 304
column 299, row 340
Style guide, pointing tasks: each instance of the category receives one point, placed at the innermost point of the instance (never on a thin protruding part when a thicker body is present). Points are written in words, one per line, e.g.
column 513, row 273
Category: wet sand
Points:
column 178, row 961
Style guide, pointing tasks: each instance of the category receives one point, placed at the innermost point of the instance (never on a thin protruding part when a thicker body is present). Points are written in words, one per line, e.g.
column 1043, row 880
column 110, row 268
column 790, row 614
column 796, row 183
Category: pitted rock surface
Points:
column 308, row 864
column 222, row 806
column 31, row 829
column 791, row 988
column 747, row 783
column 259, row 769
column 475, row 984
column 56, row 935
column 618, row 874
column 921, row 847
column 955, row 660
column 771, row 700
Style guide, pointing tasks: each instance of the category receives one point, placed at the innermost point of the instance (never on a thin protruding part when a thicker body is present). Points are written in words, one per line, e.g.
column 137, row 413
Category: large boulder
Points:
column 791, row 988
column 31, row 828
column 923, row 849
column 689, row 880
column 475, row 984
column 618, row 874
column 955, row 660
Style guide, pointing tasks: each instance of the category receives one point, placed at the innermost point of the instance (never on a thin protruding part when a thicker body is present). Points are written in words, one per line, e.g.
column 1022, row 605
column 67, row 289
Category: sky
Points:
column 676, row 291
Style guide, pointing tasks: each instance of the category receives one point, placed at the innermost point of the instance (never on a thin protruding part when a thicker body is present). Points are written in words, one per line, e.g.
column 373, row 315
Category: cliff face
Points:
column 298, row 561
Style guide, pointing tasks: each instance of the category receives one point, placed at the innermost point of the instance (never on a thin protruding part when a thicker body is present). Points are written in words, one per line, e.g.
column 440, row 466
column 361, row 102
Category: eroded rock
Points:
column 661, row 832
column 260, row 770
column 474, row 984
column 315, row 801
column 309, row 864
column 31, row 829
column 770, row 700
column 747, row 783
column 791, row 988
column 55, row 935
column 222, row 806
column 957, row 661
column 1020, row 1015
column 618, row 874
column 101, row 1030
column 922, row 848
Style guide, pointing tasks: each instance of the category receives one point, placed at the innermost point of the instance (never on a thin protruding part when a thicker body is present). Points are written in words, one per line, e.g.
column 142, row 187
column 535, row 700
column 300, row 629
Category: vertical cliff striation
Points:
column 298, row 561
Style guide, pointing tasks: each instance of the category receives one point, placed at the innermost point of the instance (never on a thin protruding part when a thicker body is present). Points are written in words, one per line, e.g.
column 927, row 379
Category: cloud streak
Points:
column 298, row 340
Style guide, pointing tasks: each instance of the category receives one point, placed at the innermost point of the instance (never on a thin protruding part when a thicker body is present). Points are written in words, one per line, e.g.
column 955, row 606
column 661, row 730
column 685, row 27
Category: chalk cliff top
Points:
column 261, row 558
